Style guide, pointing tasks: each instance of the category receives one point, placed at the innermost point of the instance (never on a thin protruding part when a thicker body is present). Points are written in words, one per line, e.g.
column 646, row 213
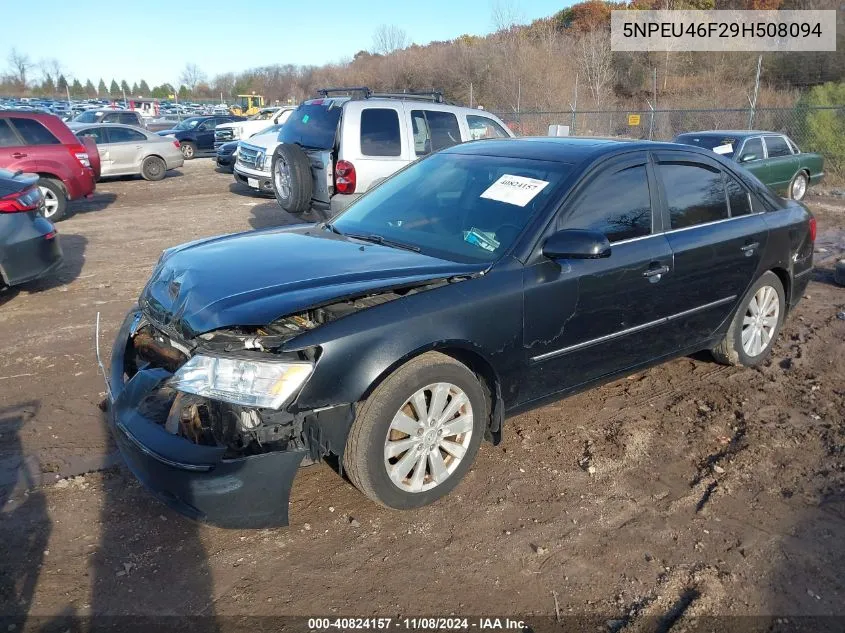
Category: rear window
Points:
column 380, row 132
column 34, row 133
column 724, row 145
column 312, row 125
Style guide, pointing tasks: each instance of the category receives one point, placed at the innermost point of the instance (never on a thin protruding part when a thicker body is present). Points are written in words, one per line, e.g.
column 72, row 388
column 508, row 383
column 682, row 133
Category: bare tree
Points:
column 389, row 38
column 20, row 64
column 596, row 60
column 51, row 68
column 191, row 76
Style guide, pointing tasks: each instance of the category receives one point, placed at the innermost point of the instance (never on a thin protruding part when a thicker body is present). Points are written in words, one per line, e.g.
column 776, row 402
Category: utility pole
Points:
column 470, row 94
column 654, row 84
column 756, row 92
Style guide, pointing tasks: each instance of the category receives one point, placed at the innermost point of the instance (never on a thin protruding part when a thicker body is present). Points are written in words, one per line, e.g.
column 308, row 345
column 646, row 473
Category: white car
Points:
column 253, row 125
column 255, row 157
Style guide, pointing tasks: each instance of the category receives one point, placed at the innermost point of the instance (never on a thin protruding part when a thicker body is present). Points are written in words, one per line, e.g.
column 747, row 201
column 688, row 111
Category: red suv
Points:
column 42, row 144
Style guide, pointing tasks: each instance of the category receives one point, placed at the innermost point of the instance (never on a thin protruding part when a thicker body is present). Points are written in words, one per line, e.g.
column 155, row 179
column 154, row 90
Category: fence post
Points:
column 651, row 121
column 572, row 127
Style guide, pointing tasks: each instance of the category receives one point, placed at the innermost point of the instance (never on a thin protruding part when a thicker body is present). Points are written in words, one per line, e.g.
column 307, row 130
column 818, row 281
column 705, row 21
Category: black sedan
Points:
column 226, row 156
column 479, row 282
column 29, row 246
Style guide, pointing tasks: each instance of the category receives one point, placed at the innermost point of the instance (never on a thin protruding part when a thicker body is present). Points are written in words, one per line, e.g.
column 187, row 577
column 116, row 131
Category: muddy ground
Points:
column 684, row 490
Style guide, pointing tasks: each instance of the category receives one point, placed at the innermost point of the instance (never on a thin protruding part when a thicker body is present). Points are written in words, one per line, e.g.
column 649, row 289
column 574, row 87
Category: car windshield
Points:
column 188, row 124
column 90, row 116
column 465, row 208
column 724, row 145
column 264, row 115
column 313, row 125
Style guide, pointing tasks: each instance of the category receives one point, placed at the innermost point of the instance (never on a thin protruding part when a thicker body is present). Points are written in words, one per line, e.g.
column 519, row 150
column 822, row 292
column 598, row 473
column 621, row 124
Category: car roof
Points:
column 78, row 125
column 565, row 149
column 737, row 133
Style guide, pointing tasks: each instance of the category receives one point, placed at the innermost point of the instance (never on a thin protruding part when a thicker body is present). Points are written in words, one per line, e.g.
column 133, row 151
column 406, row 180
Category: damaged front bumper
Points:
column 196, row 480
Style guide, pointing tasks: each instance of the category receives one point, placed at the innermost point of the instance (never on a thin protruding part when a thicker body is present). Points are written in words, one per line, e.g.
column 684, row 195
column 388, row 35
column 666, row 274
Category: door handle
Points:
column 18, row 155
column 652, row 273
column 749, row 249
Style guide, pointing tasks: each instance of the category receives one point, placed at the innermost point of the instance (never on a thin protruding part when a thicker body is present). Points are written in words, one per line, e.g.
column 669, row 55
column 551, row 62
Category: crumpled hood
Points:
column 253, row 278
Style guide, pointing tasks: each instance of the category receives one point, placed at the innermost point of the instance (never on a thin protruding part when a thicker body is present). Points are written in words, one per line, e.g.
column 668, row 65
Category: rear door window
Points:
column 380, row 132
column 777, row 146
column 125, row 135
column 8, row 138
column 433, row 130
column 33, row 132
column 109, row 117
column 695, row 194
column 128, row 118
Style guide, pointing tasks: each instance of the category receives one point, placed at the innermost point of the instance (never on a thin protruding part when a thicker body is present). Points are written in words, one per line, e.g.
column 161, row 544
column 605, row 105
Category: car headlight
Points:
column 250, row 383
column 268, row 163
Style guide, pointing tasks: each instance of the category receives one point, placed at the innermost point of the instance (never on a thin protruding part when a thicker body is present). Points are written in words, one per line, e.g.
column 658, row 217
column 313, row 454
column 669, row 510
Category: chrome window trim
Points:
column 695, row 226
column 630, row 330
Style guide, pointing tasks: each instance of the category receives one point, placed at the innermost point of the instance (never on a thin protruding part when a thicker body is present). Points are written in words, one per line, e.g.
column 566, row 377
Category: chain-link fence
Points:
column 813, row 128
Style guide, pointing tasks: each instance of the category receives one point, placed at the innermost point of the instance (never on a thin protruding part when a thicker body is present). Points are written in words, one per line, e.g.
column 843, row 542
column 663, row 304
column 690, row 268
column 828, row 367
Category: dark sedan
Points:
column 196, row 134
column 227, row 155
column 479, row 282
column 29, row 246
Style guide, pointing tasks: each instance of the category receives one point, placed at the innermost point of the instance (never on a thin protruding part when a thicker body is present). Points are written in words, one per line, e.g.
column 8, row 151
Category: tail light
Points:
column 812, row 229
column 344, row 177
column 20, row 201
column 81, row 154
column 177, row 143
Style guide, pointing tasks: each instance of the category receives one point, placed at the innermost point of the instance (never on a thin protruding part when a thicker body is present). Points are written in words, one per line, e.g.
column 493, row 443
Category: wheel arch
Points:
column 45, row 174
column 475, row 361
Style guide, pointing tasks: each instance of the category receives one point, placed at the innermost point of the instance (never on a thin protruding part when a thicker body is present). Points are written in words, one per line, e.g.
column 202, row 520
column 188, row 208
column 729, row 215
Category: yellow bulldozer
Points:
column 248, row 105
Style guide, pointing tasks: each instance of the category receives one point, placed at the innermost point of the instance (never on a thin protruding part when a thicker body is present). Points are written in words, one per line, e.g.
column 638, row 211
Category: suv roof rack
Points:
column 435, row 96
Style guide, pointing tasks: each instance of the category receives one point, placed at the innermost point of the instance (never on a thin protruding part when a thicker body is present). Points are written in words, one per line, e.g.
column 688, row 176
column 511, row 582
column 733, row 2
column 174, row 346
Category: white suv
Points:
column 236, row 130
column 334, row 149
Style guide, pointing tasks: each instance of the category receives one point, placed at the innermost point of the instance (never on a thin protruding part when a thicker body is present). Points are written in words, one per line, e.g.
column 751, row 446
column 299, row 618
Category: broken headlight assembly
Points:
column 247, row 382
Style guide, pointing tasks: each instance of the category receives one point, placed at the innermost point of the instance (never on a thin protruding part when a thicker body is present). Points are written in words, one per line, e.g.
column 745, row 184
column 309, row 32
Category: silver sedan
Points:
column 125, row 150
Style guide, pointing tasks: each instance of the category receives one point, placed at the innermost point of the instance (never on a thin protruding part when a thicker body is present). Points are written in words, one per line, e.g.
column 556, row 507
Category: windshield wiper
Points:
column 378, row 239
column 331, row 227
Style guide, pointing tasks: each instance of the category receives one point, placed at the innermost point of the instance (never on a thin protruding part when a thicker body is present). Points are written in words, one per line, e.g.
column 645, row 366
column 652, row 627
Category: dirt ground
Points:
column 689, row 489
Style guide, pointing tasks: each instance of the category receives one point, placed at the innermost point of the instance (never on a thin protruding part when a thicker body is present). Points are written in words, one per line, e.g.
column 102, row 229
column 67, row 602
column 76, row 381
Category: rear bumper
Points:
column 195, row 480
column 81, row 185
column 27, row 253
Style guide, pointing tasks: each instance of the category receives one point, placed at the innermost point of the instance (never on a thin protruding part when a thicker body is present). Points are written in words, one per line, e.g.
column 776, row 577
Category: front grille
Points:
column 224, row 135
column 251, row 156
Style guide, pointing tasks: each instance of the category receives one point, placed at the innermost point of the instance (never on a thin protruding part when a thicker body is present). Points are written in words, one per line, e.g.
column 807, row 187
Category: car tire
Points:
column 798, row 186
column 749, row 339
column 374, row 445
column 189, row 150
column 839, row 272
column 153, row 168
column 292, row 181
column 55, row 198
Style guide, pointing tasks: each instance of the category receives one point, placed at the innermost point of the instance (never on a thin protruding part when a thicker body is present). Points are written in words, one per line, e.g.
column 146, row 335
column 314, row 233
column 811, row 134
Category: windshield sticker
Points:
column 517, row 190
column 482, row 239
column 305, row 118
column 724, row 149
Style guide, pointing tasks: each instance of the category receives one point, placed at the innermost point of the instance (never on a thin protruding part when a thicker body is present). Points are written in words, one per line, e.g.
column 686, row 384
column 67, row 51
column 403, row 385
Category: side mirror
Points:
column 576, row 244
column 747, row 157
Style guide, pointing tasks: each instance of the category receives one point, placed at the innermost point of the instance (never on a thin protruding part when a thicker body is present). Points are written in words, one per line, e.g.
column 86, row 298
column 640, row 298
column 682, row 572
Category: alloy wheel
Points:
column 428, row 437
column 760, row 321
column 799, row 187
column 51, row 202
column 282, row 178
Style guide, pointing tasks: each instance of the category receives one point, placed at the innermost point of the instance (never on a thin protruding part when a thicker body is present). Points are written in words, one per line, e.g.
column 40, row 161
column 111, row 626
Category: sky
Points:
column 155, row 39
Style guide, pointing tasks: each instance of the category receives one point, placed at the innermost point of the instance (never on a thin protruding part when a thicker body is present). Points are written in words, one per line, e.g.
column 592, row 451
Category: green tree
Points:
column 114, row 89
column 61, row 85
column 102, row 91
column 90, row 90
column 48, row 86
column 135, row 89
column 125, row 89
column 824, row 129
column 183, row 92
column 144, row 89
column 76, row 89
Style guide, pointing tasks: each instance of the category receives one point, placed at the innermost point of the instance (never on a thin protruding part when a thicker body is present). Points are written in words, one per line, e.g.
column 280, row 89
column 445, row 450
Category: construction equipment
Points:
column 248, row 105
